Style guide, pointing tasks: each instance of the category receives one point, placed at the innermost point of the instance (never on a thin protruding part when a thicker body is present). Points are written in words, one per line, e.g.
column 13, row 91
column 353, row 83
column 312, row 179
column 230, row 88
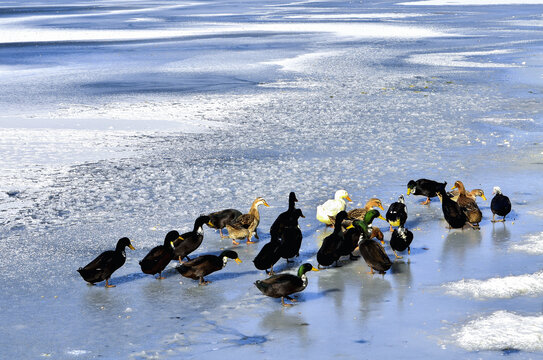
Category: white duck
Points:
column 332, row 207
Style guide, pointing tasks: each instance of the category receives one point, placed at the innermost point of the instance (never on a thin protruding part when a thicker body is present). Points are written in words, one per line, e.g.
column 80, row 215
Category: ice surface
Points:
column 131, row 118
column 502, row 288
column 532, row 244
column 471, row 2
column 502, row 331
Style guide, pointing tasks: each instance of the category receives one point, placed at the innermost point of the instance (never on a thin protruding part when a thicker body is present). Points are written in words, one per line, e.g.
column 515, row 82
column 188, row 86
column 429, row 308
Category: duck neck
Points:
column 254, row 211
column 224, row 261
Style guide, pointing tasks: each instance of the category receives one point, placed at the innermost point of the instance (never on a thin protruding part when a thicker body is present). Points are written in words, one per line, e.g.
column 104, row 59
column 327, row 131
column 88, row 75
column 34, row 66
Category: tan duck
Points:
column 468, row 205
column 359, row 213
column 245, row 225
column 453, row 194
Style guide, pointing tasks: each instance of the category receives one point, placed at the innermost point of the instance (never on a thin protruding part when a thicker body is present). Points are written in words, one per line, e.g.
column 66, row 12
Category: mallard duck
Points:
column 500, row 204
column 424, row 187
column 397, row 213
column 332, row 207
column 453, row 194
column 106, row 263
column 285, row 217
column 452, row 212
column 291, row 236
column 204, row 265
column 268, row 255
column 327, row 253
column 468, row 205
column 219, row 219
column 374, row 254
column 357, row 230
column 160, row 256
column 400, row 240
column 190, row 241
column 359, row 213
column 245, row 225
column 284, row 285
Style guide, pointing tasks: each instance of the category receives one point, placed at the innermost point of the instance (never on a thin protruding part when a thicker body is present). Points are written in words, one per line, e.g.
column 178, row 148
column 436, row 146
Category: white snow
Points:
column 354, row 16
column 300, row 63
column 532, row 244
column 471, row 2
column 502, row 330
column 342, row 29
column 499, row 287
column 459, row 59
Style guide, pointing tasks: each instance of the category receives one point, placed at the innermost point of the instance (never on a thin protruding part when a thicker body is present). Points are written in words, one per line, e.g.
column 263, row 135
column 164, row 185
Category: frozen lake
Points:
column 131, row 118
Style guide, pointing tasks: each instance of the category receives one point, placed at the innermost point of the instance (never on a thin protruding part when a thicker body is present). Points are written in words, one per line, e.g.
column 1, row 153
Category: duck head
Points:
column 496, row 190
column 305, row 268
column 371, row 215
column 171, row 237
column 478, row 192
column 229, row 254
column 342, row 194
column 123, row 243
column 411, row 187
column 374, row 202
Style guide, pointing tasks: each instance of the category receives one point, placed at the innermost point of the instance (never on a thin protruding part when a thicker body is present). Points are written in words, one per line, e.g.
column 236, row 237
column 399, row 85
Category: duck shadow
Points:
column 229, row 275
column 315, row 295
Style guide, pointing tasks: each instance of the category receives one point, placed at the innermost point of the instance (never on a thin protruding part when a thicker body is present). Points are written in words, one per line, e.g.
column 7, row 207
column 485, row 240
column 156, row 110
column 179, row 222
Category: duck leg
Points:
column 408, row 250
column 160, row 277
column 220, row 232
column 397, row 256
column 283, row 302
column 426, row 202
column 107, row 284
column 202, row 281
column 291, row 299
column 235, row 242
column 370, row 272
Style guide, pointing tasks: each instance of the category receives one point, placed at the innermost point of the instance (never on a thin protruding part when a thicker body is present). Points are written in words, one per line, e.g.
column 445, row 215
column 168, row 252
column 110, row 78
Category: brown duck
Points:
column 245, row 225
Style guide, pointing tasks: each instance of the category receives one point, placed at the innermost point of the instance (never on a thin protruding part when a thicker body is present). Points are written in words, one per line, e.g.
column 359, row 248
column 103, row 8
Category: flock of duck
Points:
column 353, row 230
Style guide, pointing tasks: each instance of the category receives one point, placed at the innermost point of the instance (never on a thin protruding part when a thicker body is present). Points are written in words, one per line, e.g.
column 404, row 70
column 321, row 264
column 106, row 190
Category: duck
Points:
column 327, row 253
column 160, row 256
column 284, row 285
column 285, row 217
column 268, row 255
column 204, row 265
column 190, row 241
column 245, row 225
column 219, row 219
column 374, row 254
column 453, row 194
column 500, row 204
column 106, row 264
column 424, row 187
column 291, row 237
column 400, row 240
column 452, row 212
column 359, row 213
column 468, row 205
column 354, row 233
column 397, row 213
column 332, row 207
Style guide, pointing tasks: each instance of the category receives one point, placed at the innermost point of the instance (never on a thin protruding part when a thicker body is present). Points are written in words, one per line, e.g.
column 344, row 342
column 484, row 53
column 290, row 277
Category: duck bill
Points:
column 484, row 197
column 381, row 207
column 131, row 247
column 180, row 238
column 349, row 227
column 265, row 204
column 238, row 260
column 314, row 269
column 172, row 245
column 382, row 218
column 408, row 191
column 348, row 198
column 210, row 224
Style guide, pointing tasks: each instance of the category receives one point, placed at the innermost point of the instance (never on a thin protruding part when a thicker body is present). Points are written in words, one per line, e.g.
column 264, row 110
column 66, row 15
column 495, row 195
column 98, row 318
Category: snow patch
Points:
column 459, row 59
column 502, row 330
column 500, row 288
column 532, row 245
column 472, row 2
column 299, row 63
column 354, row 16
column 341, row 29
